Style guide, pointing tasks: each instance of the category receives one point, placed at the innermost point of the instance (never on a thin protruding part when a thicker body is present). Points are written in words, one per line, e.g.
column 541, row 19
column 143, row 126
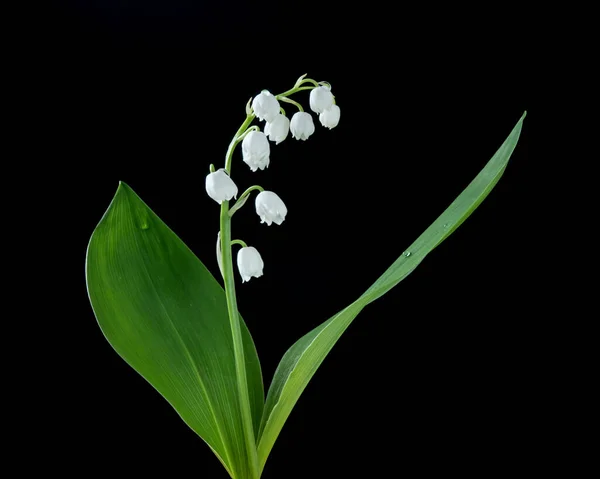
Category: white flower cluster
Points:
column 322, row 102
column 266, row 107
column 256, row 151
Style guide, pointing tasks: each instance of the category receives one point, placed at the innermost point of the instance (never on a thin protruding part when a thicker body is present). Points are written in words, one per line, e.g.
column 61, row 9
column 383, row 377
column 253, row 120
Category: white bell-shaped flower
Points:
column 302, row 125
column 331, row 117
column 256, row 150
column 250, row 264
column 321, row 99
column 278, row 129
column 270, row 208
column 220, row 187
column 265, row 106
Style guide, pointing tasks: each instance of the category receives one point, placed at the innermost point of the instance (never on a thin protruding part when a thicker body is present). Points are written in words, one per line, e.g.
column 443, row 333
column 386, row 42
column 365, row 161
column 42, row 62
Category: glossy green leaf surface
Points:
column 301, row 361
column 166, row 316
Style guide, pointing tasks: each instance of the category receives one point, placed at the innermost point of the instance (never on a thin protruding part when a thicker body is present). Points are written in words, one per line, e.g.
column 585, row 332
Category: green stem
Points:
column 250, row 190
column 289, row 100
column 246, row 133
column 242, row 201
column 234, row 320
column 240, row 242
column 236, row 139
column 296, row 89
column 229, row 280
column 308, row 80
column 238, row 346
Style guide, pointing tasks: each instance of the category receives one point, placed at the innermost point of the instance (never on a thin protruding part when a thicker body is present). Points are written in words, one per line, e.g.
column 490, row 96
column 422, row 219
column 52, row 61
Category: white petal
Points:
column 250, row 263
column 256, row 150
column 270, row 208
column 321, row 99
column 330, row 117
column 302, row 125
column 220, row 187
column 265, row 106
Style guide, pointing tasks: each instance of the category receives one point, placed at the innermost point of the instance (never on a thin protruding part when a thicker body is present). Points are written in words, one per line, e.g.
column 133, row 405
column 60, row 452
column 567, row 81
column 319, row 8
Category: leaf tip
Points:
column 123, row 189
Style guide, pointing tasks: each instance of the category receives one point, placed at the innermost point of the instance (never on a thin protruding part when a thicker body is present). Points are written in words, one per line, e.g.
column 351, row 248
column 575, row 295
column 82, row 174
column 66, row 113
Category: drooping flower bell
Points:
column 278, row 129
column 220, row 187
column 250, row 263
column 270, row 208
column 302, row 125
column 331, row 117
column 321, row 99
column 265, row 106
column 256, row 150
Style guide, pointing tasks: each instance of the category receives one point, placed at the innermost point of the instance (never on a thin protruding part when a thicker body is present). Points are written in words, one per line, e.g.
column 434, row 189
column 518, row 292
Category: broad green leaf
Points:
column 166, row 316
column 301, row 361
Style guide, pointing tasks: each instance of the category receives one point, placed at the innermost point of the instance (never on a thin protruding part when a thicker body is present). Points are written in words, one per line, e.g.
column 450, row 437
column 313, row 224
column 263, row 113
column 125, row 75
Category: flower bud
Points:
column 302, row 125
column 249, row 262
column 321, row 99
column 270, row 208
column 331, row 117
column 255, row 150
column 265, row 106
column 278, row 129
column 220, row 187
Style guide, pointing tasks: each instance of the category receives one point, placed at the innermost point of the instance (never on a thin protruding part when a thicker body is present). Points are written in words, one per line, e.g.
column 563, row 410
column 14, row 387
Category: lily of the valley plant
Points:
column 170, row 319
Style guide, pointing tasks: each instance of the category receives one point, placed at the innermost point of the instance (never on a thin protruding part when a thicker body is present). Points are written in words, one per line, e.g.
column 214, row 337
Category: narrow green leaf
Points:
column 301, row 361
column 166, row 316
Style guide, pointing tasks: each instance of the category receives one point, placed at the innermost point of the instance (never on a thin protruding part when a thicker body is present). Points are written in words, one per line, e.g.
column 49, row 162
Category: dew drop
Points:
column 446, row 225
column 407, row 253
column 145, row 226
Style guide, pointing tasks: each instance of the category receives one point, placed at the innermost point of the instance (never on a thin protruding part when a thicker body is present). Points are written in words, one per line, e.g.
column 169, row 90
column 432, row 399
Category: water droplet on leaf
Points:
column 407, row 253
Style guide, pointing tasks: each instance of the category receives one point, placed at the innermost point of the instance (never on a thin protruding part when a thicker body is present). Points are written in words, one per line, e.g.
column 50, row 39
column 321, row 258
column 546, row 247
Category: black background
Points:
column 442, row 373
